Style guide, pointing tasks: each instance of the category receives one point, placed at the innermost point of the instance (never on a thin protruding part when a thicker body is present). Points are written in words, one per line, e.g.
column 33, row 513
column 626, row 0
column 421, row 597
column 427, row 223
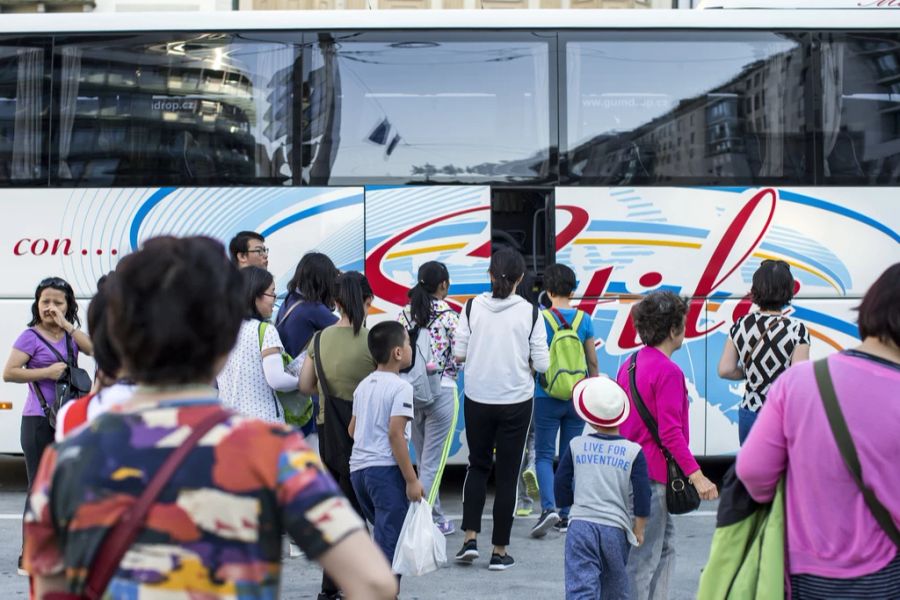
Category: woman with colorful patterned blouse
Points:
column 215, row 530
column 433, row 425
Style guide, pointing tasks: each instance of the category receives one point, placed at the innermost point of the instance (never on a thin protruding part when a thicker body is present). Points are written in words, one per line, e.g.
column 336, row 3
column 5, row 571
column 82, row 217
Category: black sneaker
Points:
column 548, row 519
column 19, row 569
column 467, row 553
column 501, row 563
column 562, row 525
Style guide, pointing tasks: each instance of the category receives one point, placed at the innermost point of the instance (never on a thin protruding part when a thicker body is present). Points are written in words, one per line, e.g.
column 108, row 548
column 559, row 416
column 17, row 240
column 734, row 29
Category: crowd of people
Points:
column 304, row 417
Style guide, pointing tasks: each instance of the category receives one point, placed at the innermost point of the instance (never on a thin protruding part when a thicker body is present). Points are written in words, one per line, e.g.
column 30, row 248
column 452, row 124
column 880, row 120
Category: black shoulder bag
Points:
column 681, row 495
column 848, row 450
column 74, row 382
column 335, row 443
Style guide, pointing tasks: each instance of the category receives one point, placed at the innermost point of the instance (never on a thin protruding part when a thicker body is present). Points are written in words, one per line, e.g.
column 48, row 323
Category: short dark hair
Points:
column 314, row 278
column 383, row 338
column 507, row 266
column 559, row 280
column 105, row 354
column 773, row 285
column 256, row 281
column 61, row 285
column 879, row 311
column 657, row 314
column 240, row 243
column 175, row 308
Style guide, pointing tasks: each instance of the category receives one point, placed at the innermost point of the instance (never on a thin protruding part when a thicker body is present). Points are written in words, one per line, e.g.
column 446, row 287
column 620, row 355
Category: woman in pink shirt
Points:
column 835, row 548
column 659, row 319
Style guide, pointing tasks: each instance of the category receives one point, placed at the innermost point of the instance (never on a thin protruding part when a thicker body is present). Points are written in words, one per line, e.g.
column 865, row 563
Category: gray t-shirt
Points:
column 378, row 397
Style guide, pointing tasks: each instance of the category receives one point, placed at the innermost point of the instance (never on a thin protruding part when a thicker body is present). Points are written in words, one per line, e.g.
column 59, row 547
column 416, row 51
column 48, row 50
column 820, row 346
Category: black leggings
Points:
column 36, row 434
column 503, row 427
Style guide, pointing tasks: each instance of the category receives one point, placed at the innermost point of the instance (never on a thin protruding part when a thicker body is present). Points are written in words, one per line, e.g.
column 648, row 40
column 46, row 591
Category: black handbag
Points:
column 73, row 383
column 681, row 495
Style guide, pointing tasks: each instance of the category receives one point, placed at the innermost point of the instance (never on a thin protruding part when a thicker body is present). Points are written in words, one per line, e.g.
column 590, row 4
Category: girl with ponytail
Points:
column 433, row 424
column 338, row 359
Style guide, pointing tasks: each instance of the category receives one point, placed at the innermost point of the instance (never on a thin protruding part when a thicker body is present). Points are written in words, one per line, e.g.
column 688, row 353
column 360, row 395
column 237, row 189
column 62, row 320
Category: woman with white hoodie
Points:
column 500, row 342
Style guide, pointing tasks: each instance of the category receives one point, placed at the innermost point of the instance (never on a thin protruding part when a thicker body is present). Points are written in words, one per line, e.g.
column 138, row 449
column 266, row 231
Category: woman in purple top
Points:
column 659, row 319
column 835, row 548
column 54, row 321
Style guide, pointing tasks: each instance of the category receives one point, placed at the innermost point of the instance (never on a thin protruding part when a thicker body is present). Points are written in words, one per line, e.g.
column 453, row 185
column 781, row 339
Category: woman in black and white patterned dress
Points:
column 764, row 343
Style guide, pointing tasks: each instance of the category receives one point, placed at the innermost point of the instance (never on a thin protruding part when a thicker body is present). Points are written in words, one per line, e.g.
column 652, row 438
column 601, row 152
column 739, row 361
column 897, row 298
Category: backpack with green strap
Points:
column 298, row 407
column 568, row 364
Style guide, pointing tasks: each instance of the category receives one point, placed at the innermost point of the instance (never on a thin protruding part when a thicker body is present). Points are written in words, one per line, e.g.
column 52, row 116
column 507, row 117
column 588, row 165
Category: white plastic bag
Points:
column 421, row 548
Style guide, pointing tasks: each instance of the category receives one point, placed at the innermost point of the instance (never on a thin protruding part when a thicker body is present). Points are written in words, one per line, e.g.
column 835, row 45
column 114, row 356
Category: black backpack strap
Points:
column 320, row 372
column 469, row 312
column 649, row 421
column 848, row 449
column 41, row 400
column 52, row 349
column 535, row 313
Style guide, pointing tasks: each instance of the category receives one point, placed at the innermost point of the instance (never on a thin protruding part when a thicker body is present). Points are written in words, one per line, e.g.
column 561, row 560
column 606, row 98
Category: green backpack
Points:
column 298, row 407
column 568, row 364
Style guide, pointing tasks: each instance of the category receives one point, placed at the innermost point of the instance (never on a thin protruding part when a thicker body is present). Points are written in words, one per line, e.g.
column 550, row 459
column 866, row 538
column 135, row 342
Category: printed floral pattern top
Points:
column 443, row 335
column 214, row 532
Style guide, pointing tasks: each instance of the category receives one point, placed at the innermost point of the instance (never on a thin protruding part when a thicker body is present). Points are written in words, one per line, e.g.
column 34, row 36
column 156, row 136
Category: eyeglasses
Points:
column 259, row 250
column 270, row 295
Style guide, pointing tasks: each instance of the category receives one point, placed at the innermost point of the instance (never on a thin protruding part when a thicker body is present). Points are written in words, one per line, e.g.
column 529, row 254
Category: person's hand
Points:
column 705, row 487
column 639, row 533
column 59, row 319
column 56, row 370
column 415, row 491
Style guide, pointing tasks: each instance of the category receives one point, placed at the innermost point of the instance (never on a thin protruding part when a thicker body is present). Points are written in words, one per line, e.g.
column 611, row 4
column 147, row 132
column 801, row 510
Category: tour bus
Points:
column 648, row 150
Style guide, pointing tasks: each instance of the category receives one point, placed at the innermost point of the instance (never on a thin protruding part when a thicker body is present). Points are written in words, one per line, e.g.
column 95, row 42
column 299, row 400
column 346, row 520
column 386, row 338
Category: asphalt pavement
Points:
column 537, row 575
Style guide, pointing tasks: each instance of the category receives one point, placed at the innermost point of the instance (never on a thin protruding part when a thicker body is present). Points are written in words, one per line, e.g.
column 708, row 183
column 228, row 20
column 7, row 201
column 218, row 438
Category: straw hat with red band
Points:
column 600, row 401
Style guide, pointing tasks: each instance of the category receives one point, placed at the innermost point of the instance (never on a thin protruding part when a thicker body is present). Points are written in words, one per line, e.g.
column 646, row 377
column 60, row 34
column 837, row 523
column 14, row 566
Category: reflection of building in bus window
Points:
column 750, row 128
column 860, row 116
column 197, row 111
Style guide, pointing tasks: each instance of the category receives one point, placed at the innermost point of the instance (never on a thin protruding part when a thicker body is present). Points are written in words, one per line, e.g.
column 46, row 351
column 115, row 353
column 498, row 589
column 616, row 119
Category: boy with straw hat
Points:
column 597, row 473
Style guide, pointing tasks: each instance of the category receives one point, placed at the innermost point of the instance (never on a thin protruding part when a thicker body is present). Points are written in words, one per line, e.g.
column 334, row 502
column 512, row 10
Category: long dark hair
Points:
column 60, row 284
column 352, row 291
column 256, row 281
column 507, row 266
column 314, row 279
column 431, row 275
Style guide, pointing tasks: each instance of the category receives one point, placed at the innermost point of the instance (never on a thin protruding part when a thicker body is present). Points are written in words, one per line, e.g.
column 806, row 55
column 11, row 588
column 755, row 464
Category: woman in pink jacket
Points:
column 835, row 548
column 659, row 319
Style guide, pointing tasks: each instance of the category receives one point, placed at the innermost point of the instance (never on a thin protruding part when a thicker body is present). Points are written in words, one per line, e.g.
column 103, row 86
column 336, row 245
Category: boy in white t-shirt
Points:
column 380, row 467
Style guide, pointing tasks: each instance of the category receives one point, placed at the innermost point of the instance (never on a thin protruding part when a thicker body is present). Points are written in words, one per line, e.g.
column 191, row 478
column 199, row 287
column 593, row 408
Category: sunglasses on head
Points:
column 53, row 282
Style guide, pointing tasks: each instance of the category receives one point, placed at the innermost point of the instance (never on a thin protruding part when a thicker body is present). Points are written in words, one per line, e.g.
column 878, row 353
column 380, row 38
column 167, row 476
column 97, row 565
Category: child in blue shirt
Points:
column 597, row 473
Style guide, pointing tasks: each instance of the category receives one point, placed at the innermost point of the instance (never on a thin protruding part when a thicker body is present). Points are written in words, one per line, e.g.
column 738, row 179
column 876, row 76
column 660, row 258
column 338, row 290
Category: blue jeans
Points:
column 746, row 419
column 596, row 556
column 552, row 416
column 381, row 492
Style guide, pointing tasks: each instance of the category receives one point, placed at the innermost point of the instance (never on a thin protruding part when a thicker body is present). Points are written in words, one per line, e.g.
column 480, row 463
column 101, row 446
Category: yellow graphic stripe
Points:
column 634, row 242
column 426, row 250
column 801, row 266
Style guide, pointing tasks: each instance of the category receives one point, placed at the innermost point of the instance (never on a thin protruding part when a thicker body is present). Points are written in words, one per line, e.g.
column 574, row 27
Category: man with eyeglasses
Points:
column 247, row 249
